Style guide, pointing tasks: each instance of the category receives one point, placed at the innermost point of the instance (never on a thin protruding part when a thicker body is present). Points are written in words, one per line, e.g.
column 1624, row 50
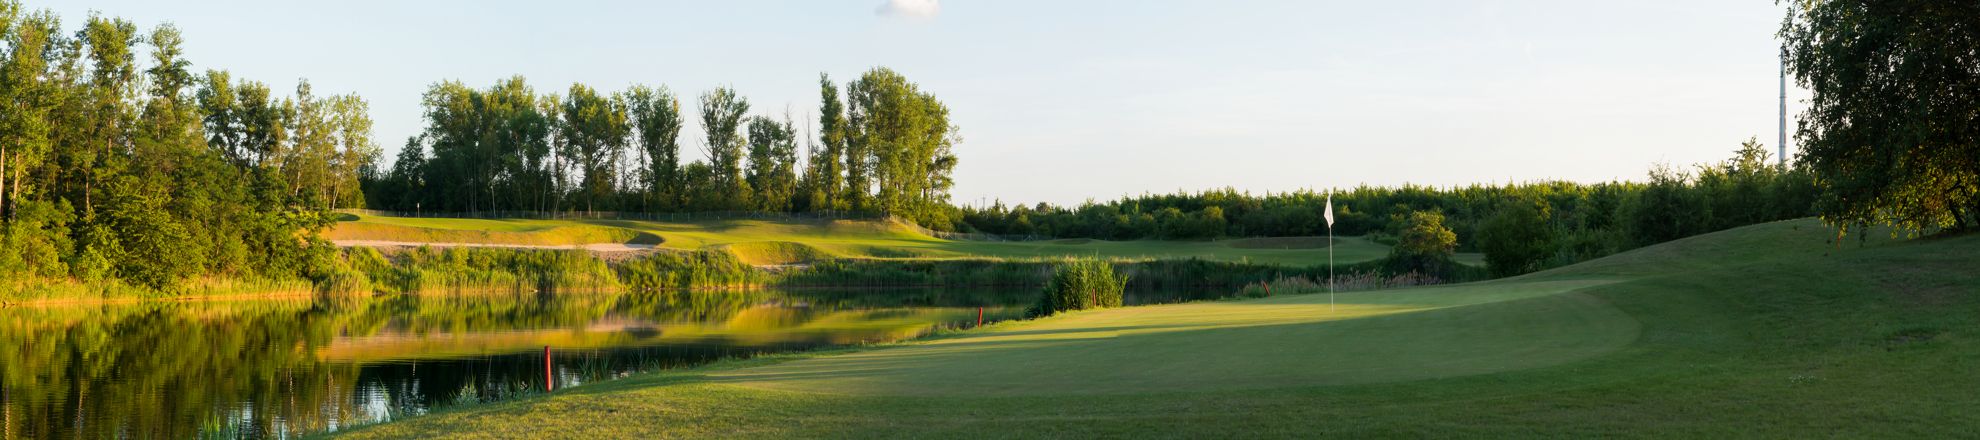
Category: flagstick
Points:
column 1328, row 215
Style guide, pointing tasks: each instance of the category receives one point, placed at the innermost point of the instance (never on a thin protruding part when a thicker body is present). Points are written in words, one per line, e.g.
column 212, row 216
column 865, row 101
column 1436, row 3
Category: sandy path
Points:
column 594, row 247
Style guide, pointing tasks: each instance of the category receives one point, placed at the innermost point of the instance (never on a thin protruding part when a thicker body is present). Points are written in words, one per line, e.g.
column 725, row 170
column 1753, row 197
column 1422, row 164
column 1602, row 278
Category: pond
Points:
column 288, row 367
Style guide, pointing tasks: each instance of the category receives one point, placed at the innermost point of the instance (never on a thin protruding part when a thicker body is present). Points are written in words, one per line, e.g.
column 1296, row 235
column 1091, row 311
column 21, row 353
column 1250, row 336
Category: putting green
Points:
column 1369, row 337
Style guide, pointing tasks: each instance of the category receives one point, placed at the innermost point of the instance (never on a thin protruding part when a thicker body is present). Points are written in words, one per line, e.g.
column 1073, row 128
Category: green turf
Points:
column 1375, row 337
column 1765, row 331
column 794, row 241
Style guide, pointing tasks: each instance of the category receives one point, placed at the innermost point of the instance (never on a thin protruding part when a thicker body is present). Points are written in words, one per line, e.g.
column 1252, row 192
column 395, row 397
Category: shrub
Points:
column 1518, row 239
column 1080, row 285
column 1424, row 245
column 688, row 270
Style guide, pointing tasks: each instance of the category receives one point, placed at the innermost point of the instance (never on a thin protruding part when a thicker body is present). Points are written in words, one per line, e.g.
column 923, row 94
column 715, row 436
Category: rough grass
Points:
column 771, row 253
column 774, row 240
column 1763, row 331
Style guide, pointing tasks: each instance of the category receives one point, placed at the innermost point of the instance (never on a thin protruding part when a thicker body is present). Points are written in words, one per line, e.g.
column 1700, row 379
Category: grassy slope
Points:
column 1764, row 331
column 783, row 242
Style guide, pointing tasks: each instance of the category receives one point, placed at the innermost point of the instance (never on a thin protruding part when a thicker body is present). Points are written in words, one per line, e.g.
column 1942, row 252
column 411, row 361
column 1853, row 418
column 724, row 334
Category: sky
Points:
column 1064, row 101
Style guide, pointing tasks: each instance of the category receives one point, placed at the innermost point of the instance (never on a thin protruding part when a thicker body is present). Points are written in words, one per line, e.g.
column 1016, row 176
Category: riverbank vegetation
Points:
column 426, row 270
column 1080, row 285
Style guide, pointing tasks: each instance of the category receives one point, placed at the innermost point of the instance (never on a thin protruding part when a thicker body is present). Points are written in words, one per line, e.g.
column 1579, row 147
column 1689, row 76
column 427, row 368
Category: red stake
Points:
column 548, row 382
column 979, row 316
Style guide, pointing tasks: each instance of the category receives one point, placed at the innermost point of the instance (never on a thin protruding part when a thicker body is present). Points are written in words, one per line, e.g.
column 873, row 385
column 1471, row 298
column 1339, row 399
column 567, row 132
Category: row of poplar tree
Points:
column 885, row 149
column 118, row 161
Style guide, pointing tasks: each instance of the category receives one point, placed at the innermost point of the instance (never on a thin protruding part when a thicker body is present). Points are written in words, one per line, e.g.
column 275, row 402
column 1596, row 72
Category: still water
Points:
column 283, row 368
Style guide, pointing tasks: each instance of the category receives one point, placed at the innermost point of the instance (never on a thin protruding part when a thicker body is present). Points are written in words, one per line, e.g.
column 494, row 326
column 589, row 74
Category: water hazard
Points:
column 283, row 368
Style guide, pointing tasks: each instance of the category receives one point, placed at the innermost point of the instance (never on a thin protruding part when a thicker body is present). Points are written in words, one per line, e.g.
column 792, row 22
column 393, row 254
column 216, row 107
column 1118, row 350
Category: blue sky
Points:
column 1065, row 101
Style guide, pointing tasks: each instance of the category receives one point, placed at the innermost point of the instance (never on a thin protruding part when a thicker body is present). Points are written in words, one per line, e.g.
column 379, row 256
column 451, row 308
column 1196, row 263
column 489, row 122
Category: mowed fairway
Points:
column 1763, row 331
column 798, row 241
column 1277, row 342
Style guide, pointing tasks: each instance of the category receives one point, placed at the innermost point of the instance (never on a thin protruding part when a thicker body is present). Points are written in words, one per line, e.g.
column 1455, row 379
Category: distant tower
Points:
column 1782, row 145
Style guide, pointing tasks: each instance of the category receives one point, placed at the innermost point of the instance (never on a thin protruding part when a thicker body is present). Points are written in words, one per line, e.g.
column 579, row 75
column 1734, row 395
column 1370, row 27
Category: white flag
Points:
column 1329, row 214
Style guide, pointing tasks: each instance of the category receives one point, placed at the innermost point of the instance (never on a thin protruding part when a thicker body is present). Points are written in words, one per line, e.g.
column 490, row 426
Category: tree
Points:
column 309, row 162
column 518, row 134
column 112, row 76
column 1424, row 245
column 27, row 95
column 721, row 117
column 114, row 173
column 356, row 155
column 1890, row 132
column 1666, row 209
column 772, row 163
column 222, row 108
column 905, row 136
column 263, row 130
column 828, row 163
column 656, row 116
column 595, row 127
column 1517, row 239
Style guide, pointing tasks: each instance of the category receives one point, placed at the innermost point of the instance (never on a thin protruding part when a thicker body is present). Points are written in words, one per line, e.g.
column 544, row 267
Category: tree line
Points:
column 1568, row 221
column 886, row 148
column 118, row 162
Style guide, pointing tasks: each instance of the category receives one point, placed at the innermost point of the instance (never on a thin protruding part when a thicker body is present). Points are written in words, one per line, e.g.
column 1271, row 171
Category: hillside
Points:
column 770, row 242
column 1763, row 331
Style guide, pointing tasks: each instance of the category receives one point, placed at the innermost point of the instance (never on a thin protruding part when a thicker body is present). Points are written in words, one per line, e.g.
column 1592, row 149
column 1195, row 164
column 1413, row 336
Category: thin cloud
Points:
column 910, row 8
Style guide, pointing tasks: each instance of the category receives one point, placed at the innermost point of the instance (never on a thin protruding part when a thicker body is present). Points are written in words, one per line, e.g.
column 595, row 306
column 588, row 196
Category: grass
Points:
column 780, row 242
column 1762, row 331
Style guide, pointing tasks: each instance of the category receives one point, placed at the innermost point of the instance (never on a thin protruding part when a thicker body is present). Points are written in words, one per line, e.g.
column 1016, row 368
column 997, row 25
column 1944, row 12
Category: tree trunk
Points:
column 3, row 185
column 15, row 192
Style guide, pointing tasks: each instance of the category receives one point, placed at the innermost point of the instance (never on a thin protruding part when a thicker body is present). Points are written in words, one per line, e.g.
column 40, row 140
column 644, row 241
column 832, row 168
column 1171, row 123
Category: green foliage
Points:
column 906, row 135
column 1518, row 239
column 427, row 269
column 123, row 169
column 1590, row 220
column 1079, row 285
column 1667, row 209
column 1889, row 133
column 689, row 270
column 36, row 243
column 901, row 273
column 772, row 164
column 722, row 113
column 826, row 174
column 656, row 119
column 593, row 132
column 1424, row 245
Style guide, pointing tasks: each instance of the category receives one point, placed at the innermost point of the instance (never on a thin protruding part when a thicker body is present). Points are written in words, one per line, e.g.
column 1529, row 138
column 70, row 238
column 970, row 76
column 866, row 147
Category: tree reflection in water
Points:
column 280, row 368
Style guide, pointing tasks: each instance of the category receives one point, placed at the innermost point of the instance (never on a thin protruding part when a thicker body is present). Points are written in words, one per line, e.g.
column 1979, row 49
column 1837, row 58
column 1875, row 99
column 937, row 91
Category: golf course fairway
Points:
column 1770, row 330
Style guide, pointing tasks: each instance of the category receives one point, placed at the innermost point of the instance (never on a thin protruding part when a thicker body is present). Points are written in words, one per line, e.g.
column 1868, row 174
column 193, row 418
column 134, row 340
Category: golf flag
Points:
column 1329, row 214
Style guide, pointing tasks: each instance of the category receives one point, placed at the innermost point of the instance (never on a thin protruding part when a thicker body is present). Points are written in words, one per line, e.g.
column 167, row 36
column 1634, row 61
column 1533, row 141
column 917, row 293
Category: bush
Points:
column 688, row 270
column 1080, row 285
column 1424, row 245
column 1518, row 239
